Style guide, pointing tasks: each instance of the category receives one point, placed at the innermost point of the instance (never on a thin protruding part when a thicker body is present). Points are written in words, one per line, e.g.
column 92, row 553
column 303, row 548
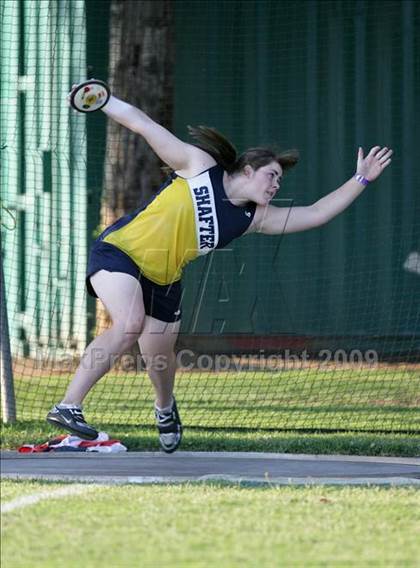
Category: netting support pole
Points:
column 8, row 401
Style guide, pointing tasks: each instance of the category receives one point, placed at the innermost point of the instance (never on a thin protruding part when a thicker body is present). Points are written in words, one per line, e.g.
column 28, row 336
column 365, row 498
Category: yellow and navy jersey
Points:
column 185, row 219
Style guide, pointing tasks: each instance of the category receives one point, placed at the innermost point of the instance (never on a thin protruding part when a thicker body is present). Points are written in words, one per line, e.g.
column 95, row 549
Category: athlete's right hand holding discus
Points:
column 135, row 266
column 89, row 96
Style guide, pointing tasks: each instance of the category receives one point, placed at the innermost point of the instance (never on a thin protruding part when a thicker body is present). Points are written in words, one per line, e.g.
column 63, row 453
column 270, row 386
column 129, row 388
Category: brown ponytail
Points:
column 215, row 144
column 225, row 154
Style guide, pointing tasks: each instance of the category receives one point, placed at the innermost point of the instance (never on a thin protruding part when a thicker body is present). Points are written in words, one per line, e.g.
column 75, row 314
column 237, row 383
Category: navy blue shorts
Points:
column 160, row 302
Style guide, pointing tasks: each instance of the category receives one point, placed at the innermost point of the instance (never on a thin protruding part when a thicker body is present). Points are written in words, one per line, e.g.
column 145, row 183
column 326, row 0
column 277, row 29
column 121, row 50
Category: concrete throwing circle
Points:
column 245, row 468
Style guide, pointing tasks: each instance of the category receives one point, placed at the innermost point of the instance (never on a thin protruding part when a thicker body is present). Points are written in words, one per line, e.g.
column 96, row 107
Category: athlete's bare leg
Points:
column 122, row 296
column 157, row 342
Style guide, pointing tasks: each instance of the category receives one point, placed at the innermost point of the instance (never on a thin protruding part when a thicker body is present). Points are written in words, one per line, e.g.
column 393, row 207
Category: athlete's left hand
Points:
column 375, row 162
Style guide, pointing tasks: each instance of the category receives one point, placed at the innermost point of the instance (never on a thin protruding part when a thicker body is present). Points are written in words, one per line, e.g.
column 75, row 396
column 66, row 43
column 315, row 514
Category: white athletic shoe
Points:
column 170, row 428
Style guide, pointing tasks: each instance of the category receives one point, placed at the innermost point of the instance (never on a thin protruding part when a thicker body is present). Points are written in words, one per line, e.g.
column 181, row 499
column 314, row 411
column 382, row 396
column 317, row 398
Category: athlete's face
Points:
column 264, row 182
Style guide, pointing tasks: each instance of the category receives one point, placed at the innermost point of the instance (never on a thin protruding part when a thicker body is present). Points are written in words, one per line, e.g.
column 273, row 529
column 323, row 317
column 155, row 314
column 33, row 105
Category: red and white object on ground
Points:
column 68, row 443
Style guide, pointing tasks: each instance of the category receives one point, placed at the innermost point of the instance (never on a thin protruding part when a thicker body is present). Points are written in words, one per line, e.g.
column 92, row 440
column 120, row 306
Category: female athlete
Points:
column 211, row 197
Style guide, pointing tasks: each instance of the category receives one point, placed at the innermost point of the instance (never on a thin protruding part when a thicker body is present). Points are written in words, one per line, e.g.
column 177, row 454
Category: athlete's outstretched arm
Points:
column 278, row 220
column 185, row 158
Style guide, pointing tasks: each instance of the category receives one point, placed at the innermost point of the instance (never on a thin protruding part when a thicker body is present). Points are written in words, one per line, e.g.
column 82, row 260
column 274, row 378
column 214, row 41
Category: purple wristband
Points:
column 361, row 179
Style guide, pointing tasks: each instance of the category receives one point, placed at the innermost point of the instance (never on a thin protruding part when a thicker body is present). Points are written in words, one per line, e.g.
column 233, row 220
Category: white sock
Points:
column 64, row 405
column 165, row 410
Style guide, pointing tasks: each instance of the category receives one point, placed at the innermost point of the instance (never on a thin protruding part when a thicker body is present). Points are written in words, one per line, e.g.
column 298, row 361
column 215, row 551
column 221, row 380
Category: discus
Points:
column 90, row 96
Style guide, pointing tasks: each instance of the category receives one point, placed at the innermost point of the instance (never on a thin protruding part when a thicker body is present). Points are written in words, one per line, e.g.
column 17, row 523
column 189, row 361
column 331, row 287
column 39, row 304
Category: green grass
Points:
column 343, row 411
column 145, row 439
column 212, row 525
column 334, row 399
